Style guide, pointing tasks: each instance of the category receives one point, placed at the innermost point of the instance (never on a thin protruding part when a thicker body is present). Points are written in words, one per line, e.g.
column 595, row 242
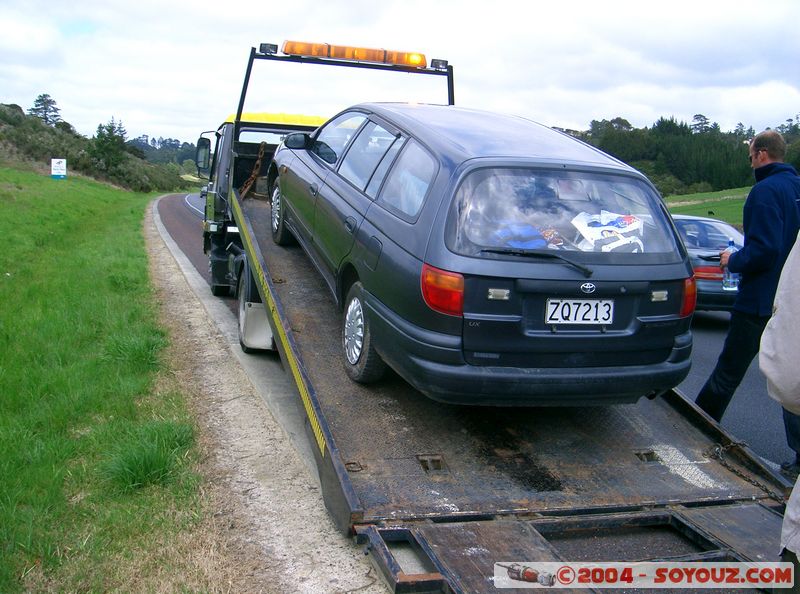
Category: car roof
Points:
column 462, row 133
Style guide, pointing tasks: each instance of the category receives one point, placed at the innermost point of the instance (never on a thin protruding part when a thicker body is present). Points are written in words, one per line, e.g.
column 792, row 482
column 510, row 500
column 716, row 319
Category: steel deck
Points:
column 626, row 482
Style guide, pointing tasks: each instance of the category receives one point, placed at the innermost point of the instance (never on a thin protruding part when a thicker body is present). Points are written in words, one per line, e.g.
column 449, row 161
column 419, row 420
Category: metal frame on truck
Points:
column 440, row 494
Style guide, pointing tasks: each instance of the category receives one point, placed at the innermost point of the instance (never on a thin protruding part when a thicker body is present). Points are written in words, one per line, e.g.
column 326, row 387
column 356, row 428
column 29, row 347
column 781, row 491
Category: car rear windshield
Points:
column 507, row 209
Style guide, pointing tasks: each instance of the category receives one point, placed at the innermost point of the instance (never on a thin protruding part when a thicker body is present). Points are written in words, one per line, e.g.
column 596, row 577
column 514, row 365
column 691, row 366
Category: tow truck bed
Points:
column 466, row 487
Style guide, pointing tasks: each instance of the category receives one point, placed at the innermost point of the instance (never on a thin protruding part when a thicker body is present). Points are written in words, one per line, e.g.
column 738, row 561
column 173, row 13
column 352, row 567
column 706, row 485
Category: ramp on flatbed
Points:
column 466, row 487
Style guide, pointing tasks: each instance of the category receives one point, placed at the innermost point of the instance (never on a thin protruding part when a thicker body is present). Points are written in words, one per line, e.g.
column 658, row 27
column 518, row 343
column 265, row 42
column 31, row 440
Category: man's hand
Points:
column 723, row 259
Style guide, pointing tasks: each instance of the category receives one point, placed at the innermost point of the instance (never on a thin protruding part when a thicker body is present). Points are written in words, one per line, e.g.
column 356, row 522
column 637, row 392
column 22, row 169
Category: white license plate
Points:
column 579, row 311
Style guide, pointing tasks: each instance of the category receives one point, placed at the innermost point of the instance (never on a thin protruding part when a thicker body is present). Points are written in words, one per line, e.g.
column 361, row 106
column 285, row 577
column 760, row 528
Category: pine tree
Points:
column 44, row 108
column 108, row 145
column 700, row 124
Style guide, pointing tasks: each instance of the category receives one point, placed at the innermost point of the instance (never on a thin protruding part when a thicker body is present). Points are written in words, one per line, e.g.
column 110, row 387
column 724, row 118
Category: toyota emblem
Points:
column 588, row 288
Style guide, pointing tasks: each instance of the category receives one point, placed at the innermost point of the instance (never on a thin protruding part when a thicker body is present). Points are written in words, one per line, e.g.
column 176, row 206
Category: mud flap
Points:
column 255, row 332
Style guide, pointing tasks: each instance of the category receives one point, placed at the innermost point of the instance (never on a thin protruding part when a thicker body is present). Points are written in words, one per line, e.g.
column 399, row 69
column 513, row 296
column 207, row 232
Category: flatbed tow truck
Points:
column 459, row 489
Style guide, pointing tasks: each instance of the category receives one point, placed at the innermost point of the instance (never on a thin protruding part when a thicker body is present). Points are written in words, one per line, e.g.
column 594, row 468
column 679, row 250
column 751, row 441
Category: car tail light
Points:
column 443, row 291
column 708, row 272
column 689, row 297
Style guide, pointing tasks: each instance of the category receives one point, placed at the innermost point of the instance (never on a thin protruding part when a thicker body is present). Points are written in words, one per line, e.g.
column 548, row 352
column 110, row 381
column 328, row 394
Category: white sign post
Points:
column 58, row 168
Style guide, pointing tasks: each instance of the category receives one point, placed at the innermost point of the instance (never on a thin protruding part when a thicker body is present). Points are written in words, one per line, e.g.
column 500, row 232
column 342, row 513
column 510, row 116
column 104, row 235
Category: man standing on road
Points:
column 771, row 219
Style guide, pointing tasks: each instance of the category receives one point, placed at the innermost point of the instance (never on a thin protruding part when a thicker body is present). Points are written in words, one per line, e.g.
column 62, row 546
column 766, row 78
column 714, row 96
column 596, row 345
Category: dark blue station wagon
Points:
column 488, row 259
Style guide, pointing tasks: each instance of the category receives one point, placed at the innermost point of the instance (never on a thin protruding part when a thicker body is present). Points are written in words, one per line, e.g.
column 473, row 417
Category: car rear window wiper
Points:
column 587, row 272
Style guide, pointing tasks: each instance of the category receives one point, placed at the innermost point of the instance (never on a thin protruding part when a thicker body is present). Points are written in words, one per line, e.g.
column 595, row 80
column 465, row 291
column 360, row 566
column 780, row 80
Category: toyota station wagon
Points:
column 488, row 259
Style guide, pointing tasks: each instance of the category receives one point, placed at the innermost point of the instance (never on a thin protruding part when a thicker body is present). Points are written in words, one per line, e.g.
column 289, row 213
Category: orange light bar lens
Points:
column 410, row 59
column 356, row 54
column 302, row 48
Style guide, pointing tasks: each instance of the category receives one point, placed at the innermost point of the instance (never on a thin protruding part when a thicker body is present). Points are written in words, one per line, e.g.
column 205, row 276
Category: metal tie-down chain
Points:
column 717, row 451
column 256, row 169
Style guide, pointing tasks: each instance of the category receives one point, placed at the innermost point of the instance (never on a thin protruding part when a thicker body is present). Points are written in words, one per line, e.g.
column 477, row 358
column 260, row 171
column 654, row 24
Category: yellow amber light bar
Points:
column 356, row 54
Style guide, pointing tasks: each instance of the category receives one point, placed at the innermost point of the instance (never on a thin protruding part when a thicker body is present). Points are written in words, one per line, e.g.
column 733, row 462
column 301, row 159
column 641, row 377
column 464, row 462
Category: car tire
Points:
column 280, row 234
column 362, row 362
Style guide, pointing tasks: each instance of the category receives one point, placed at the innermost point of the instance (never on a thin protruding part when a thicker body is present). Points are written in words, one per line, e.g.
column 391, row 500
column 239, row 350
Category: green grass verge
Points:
column 94, row 460
column 725, row 205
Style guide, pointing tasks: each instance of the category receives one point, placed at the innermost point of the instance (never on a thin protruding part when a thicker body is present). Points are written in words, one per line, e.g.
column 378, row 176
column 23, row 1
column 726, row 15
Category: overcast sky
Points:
column 175, row 68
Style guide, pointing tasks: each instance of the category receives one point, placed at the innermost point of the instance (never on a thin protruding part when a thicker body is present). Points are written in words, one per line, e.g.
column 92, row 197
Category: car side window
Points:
column 365, row 153
column 383, row 167
column 409, row 180
column 333, row 138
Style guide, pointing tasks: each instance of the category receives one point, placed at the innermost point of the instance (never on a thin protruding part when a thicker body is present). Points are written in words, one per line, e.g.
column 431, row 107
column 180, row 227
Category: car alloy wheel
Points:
column 354, row 331
column 362, row 362
column 280, row 233
column 276, row 210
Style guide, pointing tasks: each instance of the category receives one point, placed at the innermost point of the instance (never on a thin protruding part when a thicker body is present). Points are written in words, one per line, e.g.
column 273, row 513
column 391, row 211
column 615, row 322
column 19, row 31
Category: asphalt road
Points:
column 752, row 417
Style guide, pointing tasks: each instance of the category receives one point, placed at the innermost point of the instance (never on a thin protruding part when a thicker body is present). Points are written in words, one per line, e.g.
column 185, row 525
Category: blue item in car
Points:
column 519, row 235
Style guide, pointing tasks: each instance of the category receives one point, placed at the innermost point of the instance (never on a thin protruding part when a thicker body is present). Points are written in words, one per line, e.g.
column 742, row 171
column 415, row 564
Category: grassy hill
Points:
column 725, row 205
column 97, row 460
column 26, row 141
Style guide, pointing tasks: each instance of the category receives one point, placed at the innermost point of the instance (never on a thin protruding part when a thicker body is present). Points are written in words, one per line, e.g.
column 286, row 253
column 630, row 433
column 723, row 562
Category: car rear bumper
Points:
column 434, row 364
column 506, row 386
column 711, row 297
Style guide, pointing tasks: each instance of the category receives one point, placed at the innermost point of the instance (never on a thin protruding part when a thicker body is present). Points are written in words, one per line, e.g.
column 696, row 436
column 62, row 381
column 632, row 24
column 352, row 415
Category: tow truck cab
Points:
column 239, row 163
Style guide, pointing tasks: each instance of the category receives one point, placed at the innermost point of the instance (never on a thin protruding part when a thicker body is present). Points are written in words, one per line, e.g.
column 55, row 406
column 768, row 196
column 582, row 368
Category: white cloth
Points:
column 779, row 356
column 779, row 362
column 790, row 530
column 609, row 231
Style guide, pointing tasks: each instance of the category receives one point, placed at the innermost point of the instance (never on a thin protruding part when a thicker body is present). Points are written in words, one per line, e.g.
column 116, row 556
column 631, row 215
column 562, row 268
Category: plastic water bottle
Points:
column 730, row 280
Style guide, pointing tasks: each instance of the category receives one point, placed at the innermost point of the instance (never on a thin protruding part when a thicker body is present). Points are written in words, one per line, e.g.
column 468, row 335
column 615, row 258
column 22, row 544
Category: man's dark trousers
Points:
column 741, row 347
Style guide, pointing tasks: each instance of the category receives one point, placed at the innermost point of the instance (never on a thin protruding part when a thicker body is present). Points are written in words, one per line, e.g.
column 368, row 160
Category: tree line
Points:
column 678, row 157
column 682, row 158
column 164, row 150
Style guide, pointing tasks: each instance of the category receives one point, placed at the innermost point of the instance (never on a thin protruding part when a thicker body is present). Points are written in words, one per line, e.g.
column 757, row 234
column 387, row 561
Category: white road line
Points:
column 190, row 205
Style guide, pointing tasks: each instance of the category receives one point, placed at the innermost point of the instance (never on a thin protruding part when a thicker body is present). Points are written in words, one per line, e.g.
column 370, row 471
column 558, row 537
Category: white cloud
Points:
column 175, row 69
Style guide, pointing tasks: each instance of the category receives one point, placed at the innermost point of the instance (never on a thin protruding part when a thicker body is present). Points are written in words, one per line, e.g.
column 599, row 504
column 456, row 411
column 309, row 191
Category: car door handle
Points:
column 314, row 189
column 350, row 224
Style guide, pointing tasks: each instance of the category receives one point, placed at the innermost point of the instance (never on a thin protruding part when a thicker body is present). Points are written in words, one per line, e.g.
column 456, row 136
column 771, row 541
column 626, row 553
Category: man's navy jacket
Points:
column 771, row 220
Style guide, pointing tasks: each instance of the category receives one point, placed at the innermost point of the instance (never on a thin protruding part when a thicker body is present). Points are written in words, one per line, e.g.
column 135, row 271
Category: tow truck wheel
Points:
column 220, row 290
column 361, row 361
column 280, row 234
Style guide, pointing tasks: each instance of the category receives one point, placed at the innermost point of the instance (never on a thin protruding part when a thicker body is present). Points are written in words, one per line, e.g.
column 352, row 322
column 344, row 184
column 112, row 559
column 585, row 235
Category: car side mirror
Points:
column 202, row 157
column 298, row 140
